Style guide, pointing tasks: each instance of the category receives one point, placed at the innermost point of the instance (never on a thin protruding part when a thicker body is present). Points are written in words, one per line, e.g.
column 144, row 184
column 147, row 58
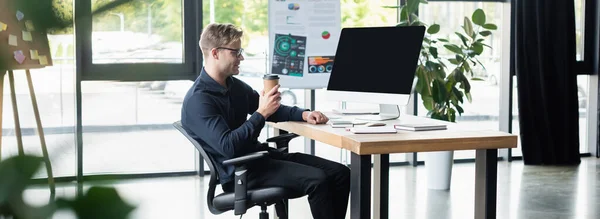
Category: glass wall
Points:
column 127, row 126
column 139, row 31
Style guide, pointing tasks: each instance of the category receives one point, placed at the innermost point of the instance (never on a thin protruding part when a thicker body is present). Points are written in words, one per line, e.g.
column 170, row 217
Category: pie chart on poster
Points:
column 325, row 35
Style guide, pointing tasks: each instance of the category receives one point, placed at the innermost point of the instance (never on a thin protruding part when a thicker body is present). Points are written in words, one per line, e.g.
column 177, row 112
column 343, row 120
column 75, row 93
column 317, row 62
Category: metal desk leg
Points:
column 360, row 186
column 384, row 183
column 486, row 174
column 381, row 181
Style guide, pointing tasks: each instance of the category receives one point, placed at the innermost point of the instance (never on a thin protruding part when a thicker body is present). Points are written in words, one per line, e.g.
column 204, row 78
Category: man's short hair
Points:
column 218, row 35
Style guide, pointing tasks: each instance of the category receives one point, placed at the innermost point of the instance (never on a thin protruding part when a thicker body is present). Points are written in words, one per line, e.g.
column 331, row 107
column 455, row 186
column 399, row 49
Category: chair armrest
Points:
column 282, row 138
column 246, row 158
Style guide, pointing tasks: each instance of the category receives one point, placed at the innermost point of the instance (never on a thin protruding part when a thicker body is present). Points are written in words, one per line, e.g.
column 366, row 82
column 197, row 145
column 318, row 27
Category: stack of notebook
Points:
column 420, row 127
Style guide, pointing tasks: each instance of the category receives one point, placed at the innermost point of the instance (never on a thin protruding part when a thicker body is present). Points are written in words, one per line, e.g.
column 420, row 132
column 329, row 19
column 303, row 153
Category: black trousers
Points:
column 326, row 183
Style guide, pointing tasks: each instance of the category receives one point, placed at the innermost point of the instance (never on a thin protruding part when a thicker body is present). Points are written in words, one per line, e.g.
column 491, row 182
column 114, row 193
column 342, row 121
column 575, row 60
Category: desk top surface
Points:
column 456, row 137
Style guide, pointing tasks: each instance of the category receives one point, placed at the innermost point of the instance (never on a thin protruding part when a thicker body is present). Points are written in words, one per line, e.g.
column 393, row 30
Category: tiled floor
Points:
column 526, row 192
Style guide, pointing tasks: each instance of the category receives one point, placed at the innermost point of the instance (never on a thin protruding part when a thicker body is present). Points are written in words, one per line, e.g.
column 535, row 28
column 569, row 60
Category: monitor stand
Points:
column 386, row 112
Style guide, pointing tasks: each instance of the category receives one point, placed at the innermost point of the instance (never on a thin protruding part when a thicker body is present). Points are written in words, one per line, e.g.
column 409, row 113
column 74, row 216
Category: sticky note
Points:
column 27, row 36
column 43, row 60
column 3, row 26
column 34, row 54
column 20, row 15
column 19, row 56
column 29, row 26
column 12, row 40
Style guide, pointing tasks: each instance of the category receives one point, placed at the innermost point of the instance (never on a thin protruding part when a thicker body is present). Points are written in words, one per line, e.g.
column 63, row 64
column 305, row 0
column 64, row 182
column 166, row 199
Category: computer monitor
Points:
column 376, row 65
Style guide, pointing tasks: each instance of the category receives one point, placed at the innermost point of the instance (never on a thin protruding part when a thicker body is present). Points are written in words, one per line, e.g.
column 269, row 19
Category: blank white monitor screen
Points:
column 376, row 59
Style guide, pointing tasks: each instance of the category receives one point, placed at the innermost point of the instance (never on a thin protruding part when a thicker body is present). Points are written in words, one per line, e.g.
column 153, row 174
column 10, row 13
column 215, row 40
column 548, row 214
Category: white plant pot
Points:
column 439, row 169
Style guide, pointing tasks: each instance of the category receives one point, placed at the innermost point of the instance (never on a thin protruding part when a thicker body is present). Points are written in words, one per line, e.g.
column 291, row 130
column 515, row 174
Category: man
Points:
column 214, row 113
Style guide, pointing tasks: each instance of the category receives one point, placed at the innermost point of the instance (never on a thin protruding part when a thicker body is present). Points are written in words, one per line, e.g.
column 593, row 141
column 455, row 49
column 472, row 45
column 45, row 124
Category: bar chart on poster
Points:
column 303, row 38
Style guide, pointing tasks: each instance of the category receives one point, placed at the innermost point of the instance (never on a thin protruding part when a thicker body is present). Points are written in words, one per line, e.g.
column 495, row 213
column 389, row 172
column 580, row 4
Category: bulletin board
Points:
column 22, row 46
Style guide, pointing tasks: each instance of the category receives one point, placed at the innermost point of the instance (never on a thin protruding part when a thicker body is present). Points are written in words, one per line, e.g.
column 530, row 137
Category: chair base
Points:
column 263, row 212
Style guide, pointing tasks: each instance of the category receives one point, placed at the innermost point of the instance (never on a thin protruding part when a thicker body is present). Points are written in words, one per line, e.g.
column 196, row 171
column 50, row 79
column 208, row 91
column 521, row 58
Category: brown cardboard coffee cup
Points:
column 270, row 81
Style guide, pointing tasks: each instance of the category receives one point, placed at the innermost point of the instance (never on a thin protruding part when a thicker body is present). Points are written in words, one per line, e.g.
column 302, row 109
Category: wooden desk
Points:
column 457, row 137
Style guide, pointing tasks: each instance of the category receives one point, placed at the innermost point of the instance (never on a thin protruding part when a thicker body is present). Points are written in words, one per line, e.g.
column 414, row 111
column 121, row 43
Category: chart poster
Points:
column 320, row 64
column 301, row 31
column 288, row 55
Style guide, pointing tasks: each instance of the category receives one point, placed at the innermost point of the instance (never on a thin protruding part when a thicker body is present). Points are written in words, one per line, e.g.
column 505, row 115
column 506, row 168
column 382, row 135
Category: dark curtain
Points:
column 547, row 81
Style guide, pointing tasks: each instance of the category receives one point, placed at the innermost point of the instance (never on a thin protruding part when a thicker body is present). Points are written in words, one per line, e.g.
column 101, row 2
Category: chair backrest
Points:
column 214, row 175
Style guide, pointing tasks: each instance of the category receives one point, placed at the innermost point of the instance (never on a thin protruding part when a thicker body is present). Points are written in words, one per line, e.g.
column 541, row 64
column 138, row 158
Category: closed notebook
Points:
column 420, row 127
column 373, row 130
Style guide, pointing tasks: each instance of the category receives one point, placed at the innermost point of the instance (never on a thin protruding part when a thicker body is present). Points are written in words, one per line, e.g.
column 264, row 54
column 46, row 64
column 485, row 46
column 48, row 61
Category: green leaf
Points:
column 469, row 98
column 392, row 6
column 485, row 33
column 443, row 40
column 451, row 115
column 478, row 17
column 466, row 85
column 418, row 23
column 435, row 90
column 433, row 52
column 419, row 86
column 433, row 29
column 460, row 109
column 467, row 67
column 458, row 94
column 490, row 26
column 458, row 75
column 412, row 6
column 468, row 27
column 427, row 102
column 440, row 73
column 459, row 58
column 426, row 40
column 15, row 174
column 414, row 18
column 453, row 48
column 476, row 79
column 100, row 203
column 463, row 38
column 404, row 15
column 477, row 48
column 453, row 61
column 486, row 45
column 424, row 1
column 403, row 24
column 439, row 93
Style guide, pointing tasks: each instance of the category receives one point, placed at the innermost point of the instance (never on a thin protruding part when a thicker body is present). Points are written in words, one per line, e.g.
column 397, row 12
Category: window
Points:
column 580, row 28
column 127, row 128
column 139, row 40
column 141, row 31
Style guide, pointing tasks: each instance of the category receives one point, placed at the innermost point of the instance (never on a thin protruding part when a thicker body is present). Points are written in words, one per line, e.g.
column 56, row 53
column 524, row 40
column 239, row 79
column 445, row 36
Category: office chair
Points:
column 242, row 198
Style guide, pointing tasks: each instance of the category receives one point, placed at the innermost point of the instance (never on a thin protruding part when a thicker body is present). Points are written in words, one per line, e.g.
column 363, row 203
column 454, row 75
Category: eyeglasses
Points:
column 238, row 52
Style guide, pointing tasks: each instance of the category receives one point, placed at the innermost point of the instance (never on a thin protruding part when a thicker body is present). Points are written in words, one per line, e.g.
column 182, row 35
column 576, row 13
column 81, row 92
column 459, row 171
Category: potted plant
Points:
column 443, row 81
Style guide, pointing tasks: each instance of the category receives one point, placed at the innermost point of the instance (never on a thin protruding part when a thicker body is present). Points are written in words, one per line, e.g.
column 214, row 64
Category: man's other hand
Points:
column 314, row 117
column 269, row 102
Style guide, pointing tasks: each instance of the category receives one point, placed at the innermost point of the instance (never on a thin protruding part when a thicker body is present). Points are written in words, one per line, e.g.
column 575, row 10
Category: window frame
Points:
column 586, row 66
column 188, row 70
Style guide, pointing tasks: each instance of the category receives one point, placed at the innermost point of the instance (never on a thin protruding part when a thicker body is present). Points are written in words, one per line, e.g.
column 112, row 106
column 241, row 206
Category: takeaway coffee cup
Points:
column 270, row 81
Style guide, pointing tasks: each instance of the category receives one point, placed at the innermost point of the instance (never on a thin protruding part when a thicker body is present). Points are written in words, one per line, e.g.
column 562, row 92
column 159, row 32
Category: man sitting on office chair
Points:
column 215, row 111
